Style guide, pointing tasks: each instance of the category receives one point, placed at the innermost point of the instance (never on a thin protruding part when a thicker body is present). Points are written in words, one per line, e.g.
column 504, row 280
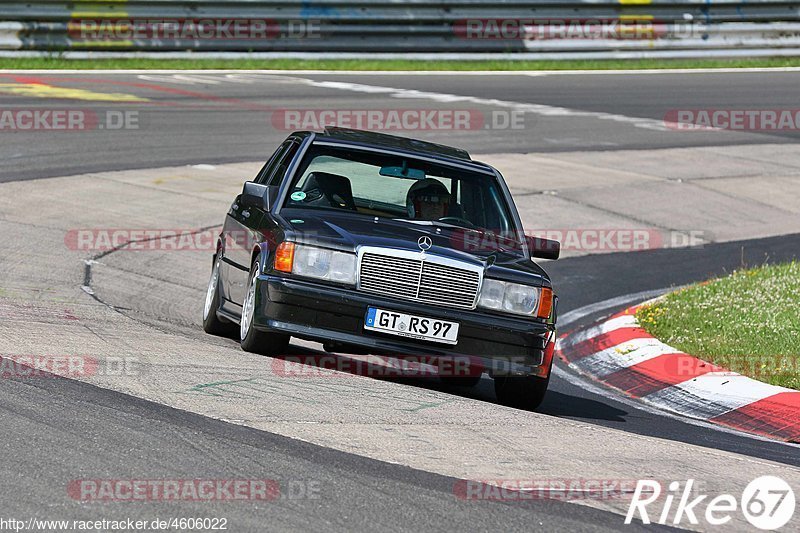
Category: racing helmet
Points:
column 428, row 189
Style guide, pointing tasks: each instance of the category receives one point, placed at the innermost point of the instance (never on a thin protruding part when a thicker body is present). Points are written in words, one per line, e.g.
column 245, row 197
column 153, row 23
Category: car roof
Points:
column 394, row 141
column 354, row 137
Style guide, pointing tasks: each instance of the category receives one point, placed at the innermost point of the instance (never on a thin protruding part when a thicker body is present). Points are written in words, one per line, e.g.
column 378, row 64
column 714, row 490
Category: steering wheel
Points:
column 458, row 220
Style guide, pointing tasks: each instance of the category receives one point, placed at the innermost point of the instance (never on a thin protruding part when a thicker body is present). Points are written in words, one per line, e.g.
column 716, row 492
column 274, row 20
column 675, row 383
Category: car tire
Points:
column 524, row 392
column 211, row 322
column 251, row 339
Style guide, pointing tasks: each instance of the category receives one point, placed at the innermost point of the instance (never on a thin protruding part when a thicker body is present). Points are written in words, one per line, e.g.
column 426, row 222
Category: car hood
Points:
column 347, row 231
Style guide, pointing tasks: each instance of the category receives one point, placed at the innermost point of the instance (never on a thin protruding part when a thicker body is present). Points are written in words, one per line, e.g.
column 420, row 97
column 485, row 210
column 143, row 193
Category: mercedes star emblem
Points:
column 424, row 243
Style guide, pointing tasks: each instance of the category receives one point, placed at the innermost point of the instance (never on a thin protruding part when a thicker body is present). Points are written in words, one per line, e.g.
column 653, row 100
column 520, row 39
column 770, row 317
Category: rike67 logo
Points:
column 767, row 503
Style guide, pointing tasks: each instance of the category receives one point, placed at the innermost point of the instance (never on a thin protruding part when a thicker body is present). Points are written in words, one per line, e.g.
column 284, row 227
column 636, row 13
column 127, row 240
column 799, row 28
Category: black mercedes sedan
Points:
column 378, row 244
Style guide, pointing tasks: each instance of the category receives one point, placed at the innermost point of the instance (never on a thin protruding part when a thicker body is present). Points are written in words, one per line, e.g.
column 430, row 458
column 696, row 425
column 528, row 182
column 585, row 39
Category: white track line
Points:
column 537, row 109
column 198, row 79
column 164, row 79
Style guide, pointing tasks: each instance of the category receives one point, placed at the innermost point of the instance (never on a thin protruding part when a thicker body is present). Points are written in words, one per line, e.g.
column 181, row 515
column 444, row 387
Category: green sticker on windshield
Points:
column 297, row 196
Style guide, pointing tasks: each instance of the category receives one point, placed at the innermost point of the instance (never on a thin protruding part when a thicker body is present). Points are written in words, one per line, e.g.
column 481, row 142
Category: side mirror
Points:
column 256, row 195
column 544, row 248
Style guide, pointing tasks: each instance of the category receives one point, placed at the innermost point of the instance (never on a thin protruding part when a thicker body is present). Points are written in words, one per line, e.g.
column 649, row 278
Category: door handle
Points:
column 246, row 214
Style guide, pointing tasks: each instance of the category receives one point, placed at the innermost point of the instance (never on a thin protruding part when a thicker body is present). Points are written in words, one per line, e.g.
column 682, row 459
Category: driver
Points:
column 427, row 199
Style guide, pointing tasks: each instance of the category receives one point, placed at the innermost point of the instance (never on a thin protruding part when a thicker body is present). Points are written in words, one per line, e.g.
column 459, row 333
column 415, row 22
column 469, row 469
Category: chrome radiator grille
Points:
column 424, row 280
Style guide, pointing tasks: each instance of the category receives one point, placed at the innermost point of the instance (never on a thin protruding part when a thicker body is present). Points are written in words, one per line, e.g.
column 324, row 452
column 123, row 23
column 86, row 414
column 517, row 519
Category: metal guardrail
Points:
column 413, row 26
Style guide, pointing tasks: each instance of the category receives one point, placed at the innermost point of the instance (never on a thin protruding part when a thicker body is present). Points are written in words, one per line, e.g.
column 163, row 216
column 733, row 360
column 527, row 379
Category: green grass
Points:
column 748, row 322
column 56, row 62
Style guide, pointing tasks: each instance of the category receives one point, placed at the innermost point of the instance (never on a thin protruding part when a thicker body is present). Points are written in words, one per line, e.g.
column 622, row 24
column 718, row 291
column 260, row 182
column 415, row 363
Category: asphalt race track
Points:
column 376, row 453
column 228, row 118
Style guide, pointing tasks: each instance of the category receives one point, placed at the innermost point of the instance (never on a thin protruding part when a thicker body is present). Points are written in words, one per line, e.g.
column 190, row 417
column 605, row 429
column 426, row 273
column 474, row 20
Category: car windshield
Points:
column 399, row 187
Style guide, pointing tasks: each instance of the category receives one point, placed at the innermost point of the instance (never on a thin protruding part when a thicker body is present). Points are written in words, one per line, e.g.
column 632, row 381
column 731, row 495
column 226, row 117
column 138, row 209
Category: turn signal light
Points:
column 284, row 257
column 545, row 303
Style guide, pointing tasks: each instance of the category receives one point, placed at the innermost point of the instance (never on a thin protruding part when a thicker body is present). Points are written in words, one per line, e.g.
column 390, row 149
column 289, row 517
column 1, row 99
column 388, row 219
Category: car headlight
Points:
column 321, row 263
column 510, row 297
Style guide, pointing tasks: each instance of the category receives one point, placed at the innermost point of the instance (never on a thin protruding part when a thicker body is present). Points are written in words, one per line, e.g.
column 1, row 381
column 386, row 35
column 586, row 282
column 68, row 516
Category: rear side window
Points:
column 284, row 161
column 267, row 170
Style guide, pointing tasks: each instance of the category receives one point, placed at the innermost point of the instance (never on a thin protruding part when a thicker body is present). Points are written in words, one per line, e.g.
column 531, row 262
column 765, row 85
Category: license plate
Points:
column 415, row 327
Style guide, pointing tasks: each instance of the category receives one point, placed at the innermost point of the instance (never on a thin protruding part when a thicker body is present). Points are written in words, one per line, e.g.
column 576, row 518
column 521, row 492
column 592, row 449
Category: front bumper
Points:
column 314, row 311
